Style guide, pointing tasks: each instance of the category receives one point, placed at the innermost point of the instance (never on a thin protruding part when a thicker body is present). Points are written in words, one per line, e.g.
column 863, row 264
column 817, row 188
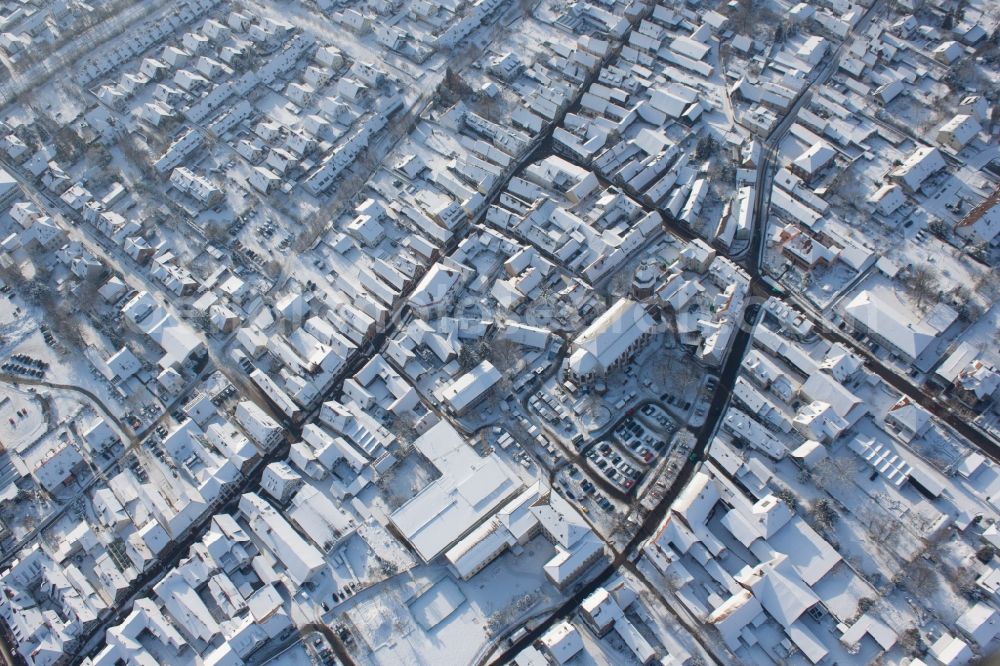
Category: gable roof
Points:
column 890, row 322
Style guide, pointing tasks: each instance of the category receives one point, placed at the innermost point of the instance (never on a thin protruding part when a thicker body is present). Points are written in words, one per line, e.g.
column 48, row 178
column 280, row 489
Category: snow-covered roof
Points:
column 921, row 164
column 610, row 337
column 890, row 322
column 8, row 185
column 299, row 557
column 469, row 491
column 883, row 458
column 910, row 417
column 562, row 642
column 949, row 650
column 468, row 388
column 814, row 158
column 808, row 553
column 980, row 622
column 964, row 354
column 779, row 589
column 961, row 129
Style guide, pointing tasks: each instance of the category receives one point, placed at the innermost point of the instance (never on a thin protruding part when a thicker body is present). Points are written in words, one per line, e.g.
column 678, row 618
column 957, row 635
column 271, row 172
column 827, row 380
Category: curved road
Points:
column 32, row 536
column 703, row 435
column 730, row 370
column 18, row 380
column 649, row 524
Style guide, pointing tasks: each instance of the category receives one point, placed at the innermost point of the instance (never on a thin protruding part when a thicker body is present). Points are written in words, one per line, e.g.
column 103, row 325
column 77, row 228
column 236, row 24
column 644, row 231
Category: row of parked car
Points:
column 677, row 401
column 642, row 443
column 549, row 408
column 614, row 466
column 24, row 370
column 588, row 488
column 658, row 416
column 50, row 339
column 599, row 500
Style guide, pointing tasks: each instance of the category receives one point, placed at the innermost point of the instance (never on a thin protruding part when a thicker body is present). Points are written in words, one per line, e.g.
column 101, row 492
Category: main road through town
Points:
column 751, row 261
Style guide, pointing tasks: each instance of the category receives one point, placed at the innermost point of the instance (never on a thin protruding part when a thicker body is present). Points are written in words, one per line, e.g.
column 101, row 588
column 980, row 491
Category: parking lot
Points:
column 677, row 402
column 579, row 488
column 702, row 400
column 633, row 446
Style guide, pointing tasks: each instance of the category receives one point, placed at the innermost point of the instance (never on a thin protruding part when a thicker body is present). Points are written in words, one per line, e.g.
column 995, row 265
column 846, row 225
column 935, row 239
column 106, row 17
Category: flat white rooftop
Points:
column 469, row 491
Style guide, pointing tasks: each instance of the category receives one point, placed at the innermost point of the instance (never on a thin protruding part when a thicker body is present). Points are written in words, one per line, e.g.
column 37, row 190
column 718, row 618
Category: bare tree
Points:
column 963, row 579
column 788, row 496
column 621, row 524
column 847, row 187
column 824, row 513
column 139, row 156
column 741, row 16
column 920, row 579
column 86, row 294
column 11, row 274
column 543, row 308
column 968, row 309
column 217, row 232
column 592, row 402
column 923, row 283
column 834, row 469
column 753, row 18
column 404, row 426
column 453, row 87
column 662, row 369
column 687, row 372
column 59, row 311
column 673, row 370
column 986, row 285
column 619, row 285
column 505, row 355
column 489, row 107
column 469, row 356
column 273, row 268
column 882, row 529
column 909, row 641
